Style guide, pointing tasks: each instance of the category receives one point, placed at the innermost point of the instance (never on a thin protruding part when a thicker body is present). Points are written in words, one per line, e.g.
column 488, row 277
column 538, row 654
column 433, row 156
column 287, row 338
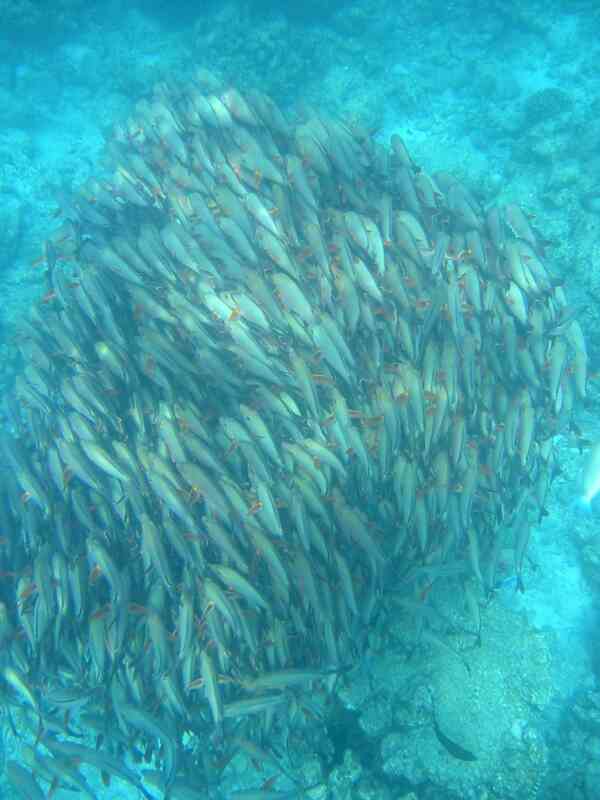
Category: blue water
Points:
column 504, row 95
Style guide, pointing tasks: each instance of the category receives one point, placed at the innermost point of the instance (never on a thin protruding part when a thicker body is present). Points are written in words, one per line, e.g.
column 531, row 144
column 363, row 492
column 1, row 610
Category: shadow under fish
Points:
column 456, row 750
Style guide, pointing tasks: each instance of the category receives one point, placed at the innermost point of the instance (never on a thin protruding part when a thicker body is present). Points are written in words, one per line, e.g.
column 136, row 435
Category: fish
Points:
column 63, row 772
column 22, row 781
column 273, row 363
column 21, row 685
column 260, row 755
column 100, row 558
column 283, row 679
column 522, row 532
column 155, row 553
column 253, row 705
column 590, row 479
column 154, row 727
column 180, row 789
column 185, row 623
column 212, row 690
column 268, row 794
column 239, row 583
column 100, row 760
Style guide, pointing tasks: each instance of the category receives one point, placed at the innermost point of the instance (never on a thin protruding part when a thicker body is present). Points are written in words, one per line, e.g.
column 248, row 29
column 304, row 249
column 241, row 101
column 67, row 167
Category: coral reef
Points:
column 546, row 105
column 30, row 20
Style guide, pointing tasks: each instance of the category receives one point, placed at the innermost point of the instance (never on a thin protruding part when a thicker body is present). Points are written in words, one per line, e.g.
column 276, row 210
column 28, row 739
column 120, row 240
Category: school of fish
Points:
column 277, row 365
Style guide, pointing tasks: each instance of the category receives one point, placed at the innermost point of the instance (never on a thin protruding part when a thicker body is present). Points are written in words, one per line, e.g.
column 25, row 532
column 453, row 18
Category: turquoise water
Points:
column 506, row 100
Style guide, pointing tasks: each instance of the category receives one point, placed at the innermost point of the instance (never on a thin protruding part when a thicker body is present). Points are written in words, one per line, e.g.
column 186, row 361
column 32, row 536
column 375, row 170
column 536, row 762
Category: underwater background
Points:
column 505, row 96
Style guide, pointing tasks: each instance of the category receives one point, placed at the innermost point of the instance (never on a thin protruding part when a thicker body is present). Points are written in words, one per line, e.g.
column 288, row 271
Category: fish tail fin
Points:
column 40, row 731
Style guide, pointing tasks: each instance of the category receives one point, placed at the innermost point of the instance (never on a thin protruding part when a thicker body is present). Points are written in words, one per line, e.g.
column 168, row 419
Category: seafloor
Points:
column 506, row 96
